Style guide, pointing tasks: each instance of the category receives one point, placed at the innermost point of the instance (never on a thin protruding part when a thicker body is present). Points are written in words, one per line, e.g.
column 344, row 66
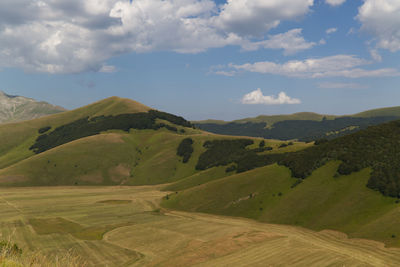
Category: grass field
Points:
column 322, row 201
column 124, row 226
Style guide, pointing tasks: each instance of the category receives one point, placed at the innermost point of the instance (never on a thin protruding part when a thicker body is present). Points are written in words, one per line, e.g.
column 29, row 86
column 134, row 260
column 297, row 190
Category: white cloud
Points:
column 67, row 36
column 108, row 69
column 331, row 30
column 255, row 17
column 225, row 73
column 375, row 55
column 332, row 66
column 333, row 85
column 382, row 19
column 335, row 2
column 291, row 42
column 257, row 97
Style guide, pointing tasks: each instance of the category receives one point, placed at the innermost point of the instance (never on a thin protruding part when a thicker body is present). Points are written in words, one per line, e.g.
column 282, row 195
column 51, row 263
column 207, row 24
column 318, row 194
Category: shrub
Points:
column 222, row 152
column 376, row 147
column 262, row 143
column 321, row 141
column 225, row 152
column 298, row 181
column 185, row 149
column 44, row 129
column 231, row 168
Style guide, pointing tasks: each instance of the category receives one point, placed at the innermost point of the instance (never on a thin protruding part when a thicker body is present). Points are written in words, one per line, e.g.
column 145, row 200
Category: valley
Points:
column 59, row 220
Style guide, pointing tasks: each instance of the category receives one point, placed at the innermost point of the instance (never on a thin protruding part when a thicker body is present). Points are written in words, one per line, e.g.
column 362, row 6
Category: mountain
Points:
column 304, row 126
column 19, row 108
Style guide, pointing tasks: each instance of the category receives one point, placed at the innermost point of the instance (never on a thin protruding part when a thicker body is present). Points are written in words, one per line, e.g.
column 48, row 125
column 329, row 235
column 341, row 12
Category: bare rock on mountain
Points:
column 19, row 108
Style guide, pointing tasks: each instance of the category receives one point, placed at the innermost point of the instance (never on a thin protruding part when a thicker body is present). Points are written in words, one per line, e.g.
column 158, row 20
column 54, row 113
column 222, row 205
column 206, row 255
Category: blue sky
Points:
column 205, row 59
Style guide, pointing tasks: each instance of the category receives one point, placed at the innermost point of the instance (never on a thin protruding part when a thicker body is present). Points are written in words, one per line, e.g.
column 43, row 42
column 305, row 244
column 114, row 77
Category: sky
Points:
column 205, row 59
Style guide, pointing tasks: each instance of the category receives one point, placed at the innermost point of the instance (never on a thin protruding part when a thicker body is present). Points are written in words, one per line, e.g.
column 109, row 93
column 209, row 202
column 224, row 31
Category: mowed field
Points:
column 124, row 226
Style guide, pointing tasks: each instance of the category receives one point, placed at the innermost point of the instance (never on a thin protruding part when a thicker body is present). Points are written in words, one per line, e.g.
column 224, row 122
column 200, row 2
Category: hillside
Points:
column 304, row 126
column 21, row 136
column 111, row 142
column 391, row 111
column 350, row 184
column 121, row 142
column 96, row 144
column 322, row 201
column 272, row 119
column 19, row 108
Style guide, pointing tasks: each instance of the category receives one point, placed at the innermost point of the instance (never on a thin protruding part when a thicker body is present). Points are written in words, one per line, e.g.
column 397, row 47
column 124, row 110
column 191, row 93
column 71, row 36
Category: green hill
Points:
column 111, row 142
column 350, row 184
column 86, row 145
column 272, row 119
column 304, row 126
column 20, row 136
column 391, row 111
column 322, row 201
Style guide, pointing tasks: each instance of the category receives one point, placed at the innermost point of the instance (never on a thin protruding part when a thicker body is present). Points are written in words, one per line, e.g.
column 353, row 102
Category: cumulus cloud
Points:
column 335, row 2
column 331, row 30
column 333, row 85
column 381, row 18
column 291, row 42
column 257, row 97
column 348, row 66
column 67, row 36
column 255, row 17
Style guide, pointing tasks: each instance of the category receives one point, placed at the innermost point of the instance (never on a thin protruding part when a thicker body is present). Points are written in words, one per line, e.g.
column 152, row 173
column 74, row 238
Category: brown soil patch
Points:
column 119, row 173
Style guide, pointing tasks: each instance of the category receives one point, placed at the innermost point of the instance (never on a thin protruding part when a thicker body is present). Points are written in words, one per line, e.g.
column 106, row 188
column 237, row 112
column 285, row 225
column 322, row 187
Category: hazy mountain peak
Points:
column 17, row 108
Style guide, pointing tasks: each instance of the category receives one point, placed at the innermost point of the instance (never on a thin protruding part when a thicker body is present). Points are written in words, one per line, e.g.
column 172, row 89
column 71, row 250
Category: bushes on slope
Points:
column 185, row 149
column 87, row 127
column 225, row 152
column 377, row 147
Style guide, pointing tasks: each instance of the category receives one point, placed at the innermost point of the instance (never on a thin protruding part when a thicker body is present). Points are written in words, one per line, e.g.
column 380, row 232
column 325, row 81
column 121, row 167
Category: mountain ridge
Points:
column 15, row 108
column 303, row 126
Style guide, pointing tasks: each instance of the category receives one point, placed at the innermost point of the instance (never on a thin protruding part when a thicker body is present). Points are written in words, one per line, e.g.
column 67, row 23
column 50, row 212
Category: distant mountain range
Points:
column 19, row 108
column 304, row 126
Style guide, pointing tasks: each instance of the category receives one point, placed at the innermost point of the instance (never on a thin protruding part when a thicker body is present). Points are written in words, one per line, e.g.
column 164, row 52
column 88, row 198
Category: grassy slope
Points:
column 141, row 157
column 392, row 111
column 215, row 173
column 270, row 120
column 110, row 158
column 342, row 203
column 20, row 136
